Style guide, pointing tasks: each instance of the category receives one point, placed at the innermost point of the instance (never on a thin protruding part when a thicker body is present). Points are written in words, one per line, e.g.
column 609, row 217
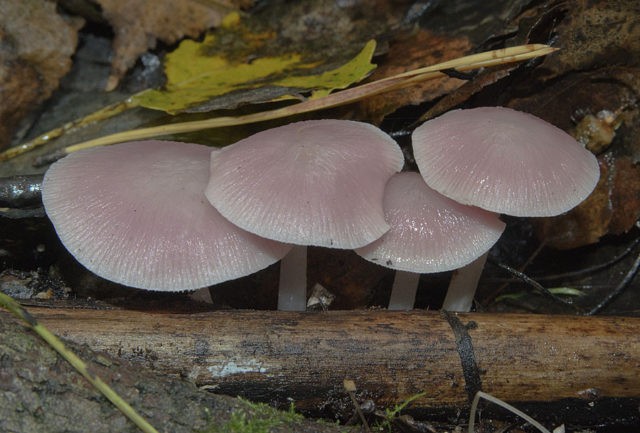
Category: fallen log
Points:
column 277, row 356
column 42, row 393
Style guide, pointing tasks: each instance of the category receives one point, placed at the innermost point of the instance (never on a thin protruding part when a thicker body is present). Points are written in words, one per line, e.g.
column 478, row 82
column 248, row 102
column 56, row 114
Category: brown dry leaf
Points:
column 593, row 34
column 139, row 24
column 36, row 45
column 613, row 207
column 420, row 48
column 597, row 70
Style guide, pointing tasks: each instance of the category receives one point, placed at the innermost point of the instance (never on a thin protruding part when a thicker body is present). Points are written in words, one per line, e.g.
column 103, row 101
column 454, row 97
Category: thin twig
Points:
column 622, row 285
column 21, row 191
column 102, row 114
column 594, row 268
column 527, row 262
column 495, row 400
column 350, row 387
column 530, row 281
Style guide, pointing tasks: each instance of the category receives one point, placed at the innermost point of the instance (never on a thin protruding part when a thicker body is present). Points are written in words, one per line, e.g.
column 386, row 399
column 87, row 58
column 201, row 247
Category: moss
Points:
column 390, row 414
column 256, row 418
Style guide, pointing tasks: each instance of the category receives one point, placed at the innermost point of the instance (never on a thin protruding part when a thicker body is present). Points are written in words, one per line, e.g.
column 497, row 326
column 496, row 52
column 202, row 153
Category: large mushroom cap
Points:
column 317, row 182
column 505, row 161
column 135, row 213
column 430, row 232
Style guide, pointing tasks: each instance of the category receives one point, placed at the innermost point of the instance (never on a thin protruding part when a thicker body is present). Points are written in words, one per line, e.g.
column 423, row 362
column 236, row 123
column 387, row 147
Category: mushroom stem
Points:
column 463, row 285
column 292, row 294
column 403, row 292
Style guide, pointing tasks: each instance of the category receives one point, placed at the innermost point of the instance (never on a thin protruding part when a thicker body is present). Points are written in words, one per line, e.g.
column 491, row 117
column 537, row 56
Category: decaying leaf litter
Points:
column 597, row 88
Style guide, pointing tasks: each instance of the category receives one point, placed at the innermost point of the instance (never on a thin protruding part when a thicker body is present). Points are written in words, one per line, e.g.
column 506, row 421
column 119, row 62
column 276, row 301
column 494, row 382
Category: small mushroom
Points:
column 317, row 182
column 429, row 233
column 504, row 161
column 135, row 213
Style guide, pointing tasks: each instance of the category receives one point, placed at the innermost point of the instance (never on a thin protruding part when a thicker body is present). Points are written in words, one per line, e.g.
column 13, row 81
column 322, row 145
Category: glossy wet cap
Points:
column 135, row 213
column 505, row 161
column 318, row 182
column 430, row 232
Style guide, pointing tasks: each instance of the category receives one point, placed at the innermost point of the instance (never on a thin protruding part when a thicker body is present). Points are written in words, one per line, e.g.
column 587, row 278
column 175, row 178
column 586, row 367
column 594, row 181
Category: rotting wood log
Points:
column 275, row 356
column 42, row 393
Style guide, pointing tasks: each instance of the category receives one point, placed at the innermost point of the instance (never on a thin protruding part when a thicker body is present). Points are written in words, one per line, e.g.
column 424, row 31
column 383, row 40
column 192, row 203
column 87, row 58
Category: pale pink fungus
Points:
column 504, row 161
column 317, row 182
column 135, row 213
column 429, row 233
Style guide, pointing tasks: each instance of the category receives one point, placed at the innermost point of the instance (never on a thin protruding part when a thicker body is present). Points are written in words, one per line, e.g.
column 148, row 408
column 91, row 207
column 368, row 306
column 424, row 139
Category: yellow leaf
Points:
column 405, row 79
column 340, row 78
column 197, row 74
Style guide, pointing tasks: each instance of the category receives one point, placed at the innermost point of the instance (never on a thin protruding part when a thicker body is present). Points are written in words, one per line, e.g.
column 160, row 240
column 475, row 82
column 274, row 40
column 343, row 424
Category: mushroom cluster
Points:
column 504, row 161
column 171, row 216
column 316, row 182
column 429, row 233
column 136, row 213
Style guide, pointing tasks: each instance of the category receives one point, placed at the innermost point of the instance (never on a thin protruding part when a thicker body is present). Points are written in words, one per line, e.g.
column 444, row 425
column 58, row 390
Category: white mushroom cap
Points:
column 318, row 182
column 505, row 161
column 135, row 213
column 430, row 232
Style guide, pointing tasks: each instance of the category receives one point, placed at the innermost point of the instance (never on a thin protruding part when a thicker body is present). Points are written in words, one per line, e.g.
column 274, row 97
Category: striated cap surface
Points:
column 135, row 213
column 505, row 161
column 430, row 232
column 317, row 182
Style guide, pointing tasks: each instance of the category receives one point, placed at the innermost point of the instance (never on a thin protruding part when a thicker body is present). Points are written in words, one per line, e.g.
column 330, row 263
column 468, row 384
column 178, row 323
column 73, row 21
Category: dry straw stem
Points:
column 475, row 61
column 17, row 310
column 102, row 114
column 494, row 400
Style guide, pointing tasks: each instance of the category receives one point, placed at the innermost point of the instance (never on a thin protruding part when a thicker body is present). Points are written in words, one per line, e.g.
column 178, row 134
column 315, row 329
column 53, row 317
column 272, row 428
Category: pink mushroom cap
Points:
column 135, row 213
column 505, row 161
column 430, row 232
column 317, row 182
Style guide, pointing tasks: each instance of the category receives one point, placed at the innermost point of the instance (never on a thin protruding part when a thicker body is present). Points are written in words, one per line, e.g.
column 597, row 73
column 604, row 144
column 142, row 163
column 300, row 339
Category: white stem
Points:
column 403, row 292
column 292, row 294
column 463, row 285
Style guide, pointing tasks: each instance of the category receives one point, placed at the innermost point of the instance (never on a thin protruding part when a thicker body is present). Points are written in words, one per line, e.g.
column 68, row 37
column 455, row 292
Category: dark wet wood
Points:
column 272, row 356
column 42, row 393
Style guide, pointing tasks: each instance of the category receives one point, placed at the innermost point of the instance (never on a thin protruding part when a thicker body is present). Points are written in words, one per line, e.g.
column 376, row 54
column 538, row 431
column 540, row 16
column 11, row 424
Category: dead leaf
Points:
column 592, row 34
column 613, row 207
column 139, row 24
column 418, row 49
column 201, row 77
column 36, row 45
column 353, row 94
column 596, row 70
column 466, row 91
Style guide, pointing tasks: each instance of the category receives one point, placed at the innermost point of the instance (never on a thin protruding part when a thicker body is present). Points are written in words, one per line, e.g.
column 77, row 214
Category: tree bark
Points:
column 276, row 356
